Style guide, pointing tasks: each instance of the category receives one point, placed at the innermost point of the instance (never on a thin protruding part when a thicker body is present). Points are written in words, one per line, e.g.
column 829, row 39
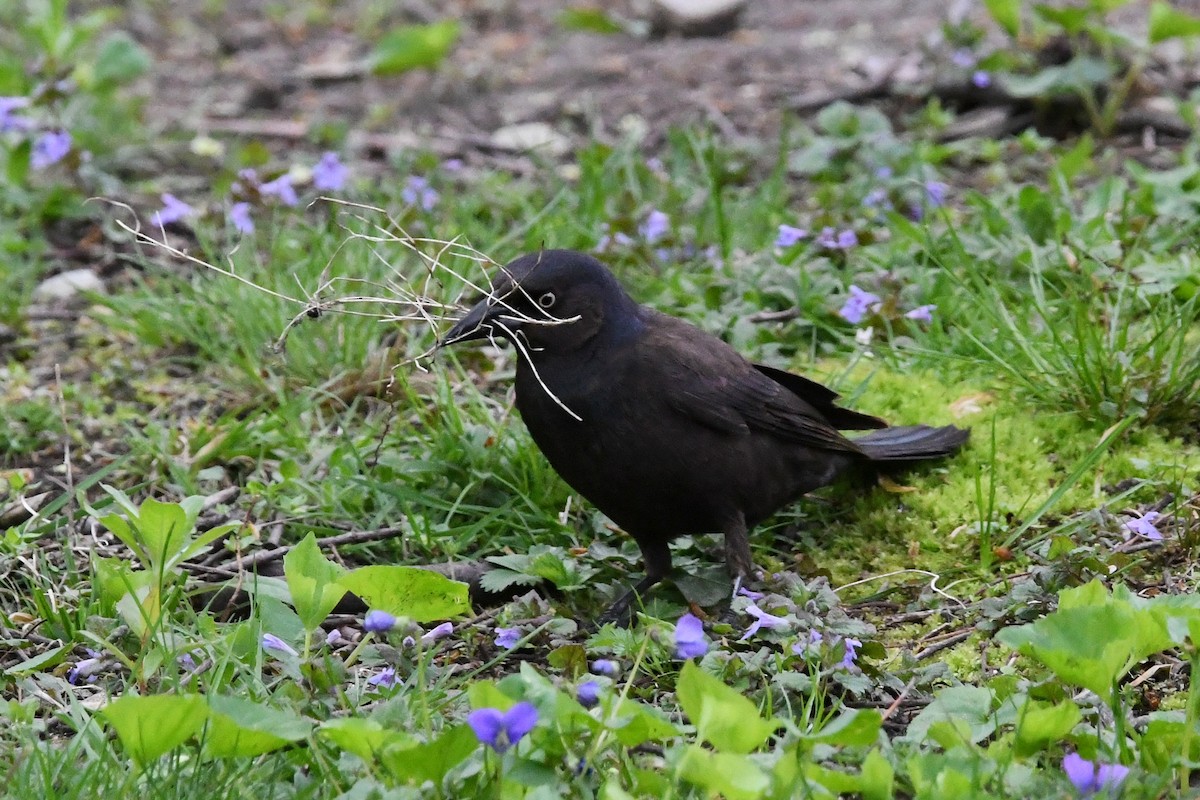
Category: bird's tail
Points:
column 909, row 444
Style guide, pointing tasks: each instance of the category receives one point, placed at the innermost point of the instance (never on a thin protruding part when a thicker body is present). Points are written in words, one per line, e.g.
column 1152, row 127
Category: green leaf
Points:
column 363, row 737
column 418, row 594
column 1166, row 740
column 413, row 46
column 704, row 586
column 113, row 578
column 1080, row 74
column 430, row 761
column 635, row 723
column 1091, row 645
column 858, row 726
column 1037, row 213
column 151, row 726
column 1043, row 724
column 1168, row 22
column 570, row 659
column 163, row 530
column 44, row 659
column 1007, row 14
column 1075, row 160
column 141, row 608
column 1072, row 19
column 590, row 19
column 878, row 779
column 970, row 707
column 312, row 580
column 724, row 717
column 238, row 727
column 18, row 162
column 726, row 774
column 497, row 580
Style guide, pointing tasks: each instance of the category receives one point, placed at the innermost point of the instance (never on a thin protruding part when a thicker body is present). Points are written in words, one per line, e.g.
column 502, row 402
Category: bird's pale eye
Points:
column 546, row 300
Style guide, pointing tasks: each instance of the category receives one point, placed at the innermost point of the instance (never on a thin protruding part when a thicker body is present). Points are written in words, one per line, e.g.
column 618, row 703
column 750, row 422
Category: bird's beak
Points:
column 477, row 324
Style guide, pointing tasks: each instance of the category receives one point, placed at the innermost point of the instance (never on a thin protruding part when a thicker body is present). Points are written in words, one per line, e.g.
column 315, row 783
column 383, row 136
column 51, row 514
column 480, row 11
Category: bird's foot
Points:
column 620, row 613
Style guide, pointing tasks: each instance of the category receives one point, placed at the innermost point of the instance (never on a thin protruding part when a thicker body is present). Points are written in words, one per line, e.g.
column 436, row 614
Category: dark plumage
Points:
column 665, row 428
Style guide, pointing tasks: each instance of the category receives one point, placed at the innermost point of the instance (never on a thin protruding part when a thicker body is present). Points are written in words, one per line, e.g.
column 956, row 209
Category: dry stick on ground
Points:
column 249, row 562
column 900, row 698
column 946, row 643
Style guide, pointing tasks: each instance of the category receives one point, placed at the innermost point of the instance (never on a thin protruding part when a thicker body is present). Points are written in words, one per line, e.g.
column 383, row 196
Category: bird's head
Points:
column 551, row 301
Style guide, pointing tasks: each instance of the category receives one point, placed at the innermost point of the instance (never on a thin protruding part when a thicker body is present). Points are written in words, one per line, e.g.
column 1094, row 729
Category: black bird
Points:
column 663, row 427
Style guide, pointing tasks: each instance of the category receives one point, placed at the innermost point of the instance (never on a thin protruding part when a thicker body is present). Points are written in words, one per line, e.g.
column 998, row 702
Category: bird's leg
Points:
column 737, row 550
column 656, row 553
column 621, row 612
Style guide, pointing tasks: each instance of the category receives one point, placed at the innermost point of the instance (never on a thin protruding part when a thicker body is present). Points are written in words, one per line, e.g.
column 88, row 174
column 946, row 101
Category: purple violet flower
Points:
column 173, row 210
column 921, row 313
column 418, row 192
column 86, row 668
column 850, row 655
column 333, row 637
column 272, row 642
column 877, row 198
column 282, row 189
column 445, row 629
column 982, row 79
column 935, row 193
column 507, row 637
column 656, row 226
column 186, row 661
column 1144, row 526
column 588, row 694
column 962, row 58
column 247, row 178
column 608, row 238
column 690, row 641
column 713, row 254
column 606, row 666
column 833, row 239
column 452, row 165
column 789, row 235
column 857, row 305
column 761, row 620
column 1089, row 777
column 330, row 174
column 814, row 640
column 385, row 678
column 378, row 621
column 239, row 215
column 753, row 595
column 501, row 730
column 50, row 148
column 10, row 121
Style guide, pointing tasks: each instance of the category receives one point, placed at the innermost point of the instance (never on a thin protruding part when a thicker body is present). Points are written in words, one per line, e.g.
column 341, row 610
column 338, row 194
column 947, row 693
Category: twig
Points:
column 945, row 644
column 222, row 496
column 266, row 556
column 908, row 687
column 783, row 315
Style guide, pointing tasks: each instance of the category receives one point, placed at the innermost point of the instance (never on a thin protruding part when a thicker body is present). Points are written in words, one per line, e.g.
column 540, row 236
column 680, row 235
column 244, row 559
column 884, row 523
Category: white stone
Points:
column 525, row 137
column 66, row 285
column 697, row 17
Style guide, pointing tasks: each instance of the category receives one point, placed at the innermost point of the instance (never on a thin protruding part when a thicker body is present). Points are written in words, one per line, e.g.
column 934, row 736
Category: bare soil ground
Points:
column 248, row 69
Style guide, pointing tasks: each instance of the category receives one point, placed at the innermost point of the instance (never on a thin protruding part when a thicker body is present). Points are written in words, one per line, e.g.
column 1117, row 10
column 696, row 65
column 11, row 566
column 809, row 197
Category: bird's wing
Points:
column 705, row 379
column 823, row 399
